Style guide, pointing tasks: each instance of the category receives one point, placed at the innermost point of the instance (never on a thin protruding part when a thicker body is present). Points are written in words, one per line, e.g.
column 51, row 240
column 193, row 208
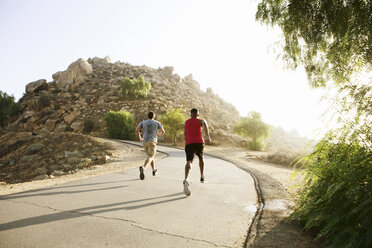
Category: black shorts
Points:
column 192, row 149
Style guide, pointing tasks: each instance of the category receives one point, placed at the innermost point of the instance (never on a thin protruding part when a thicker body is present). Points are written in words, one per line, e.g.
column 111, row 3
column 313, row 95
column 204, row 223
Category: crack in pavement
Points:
column 61, row 215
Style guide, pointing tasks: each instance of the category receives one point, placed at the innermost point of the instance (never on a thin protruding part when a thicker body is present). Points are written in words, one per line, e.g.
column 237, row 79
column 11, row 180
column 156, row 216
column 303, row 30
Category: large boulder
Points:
column 77, row 126
column 37, row 86
column 166, row 71
column 56, row 75
column 190, row 82
column 50, row 125
column 105, row 60
column 100, row 62
column 74, row 75
column 70, row 117
column 209, row 91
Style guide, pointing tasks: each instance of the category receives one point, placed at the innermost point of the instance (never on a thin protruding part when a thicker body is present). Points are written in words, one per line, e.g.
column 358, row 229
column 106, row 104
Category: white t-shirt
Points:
column 150, row 130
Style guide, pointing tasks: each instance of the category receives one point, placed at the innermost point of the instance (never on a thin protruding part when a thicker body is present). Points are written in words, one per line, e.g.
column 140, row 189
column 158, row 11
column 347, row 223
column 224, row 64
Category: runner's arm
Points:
column 162, row 131
column 184, row 131
column 206, row 130
column 138, row 133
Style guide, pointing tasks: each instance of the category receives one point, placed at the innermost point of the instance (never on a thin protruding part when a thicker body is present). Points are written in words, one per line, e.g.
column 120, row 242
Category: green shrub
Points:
column 8, row 108
column 134, row 89
column 120, row 125
column 254, row 128
column 88, row 126
column 336, row 197
column 173, row 121
column 255, row 145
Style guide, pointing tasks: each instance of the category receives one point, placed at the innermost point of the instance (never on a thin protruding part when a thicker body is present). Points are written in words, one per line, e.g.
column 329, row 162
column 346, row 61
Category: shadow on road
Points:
column 93, row 210
column 36, row 192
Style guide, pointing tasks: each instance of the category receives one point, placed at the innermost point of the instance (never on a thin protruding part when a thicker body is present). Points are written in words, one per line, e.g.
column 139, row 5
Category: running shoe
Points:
column 186, row 188
column 142, row 175
column 155, row 172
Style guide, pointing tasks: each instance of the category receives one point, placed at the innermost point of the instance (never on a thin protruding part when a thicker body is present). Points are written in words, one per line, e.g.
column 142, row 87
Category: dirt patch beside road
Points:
column 275, row 183
column 122, row 157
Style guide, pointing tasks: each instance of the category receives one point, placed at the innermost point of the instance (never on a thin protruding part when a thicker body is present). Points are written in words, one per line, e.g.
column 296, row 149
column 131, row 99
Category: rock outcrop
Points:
column 74, row 75
column 87, row 90
column 37, row 86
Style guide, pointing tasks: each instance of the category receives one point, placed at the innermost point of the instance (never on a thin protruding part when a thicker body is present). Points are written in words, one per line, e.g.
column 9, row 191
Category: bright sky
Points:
column 218, row 41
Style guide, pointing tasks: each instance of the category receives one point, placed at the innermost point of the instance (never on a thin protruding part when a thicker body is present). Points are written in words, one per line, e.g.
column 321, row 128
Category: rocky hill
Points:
column 87, row 90
column 51, row 137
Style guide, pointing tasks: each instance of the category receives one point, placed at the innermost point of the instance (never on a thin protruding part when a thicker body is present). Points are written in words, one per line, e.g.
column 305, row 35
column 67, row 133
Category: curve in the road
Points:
column 254, row 226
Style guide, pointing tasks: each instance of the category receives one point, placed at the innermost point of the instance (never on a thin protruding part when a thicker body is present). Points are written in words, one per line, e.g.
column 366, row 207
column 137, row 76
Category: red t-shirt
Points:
column 193, row 129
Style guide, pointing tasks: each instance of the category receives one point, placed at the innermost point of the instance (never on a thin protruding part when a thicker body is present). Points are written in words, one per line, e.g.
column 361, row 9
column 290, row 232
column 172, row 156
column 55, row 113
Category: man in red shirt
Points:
column 194, row 145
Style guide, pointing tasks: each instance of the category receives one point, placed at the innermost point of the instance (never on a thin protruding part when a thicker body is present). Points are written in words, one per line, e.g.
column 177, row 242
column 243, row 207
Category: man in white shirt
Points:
column 150, row 138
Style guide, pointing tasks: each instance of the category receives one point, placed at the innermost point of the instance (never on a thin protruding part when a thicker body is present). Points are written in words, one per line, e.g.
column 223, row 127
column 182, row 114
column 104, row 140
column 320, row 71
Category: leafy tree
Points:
column 173, row 122
column 134, row 89
column 120, row 125
column 254, row 128
column 331, row 38
column 8, row 107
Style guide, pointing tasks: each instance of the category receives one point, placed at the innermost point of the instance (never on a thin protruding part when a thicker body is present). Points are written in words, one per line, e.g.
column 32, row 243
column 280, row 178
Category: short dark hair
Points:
column 151, row 115
column 194, row 112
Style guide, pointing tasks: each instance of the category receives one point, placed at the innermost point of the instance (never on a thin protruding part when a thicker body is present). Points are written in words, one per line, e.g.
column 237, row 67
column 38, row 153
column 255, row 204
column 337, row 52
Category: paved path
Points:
column 119, row 210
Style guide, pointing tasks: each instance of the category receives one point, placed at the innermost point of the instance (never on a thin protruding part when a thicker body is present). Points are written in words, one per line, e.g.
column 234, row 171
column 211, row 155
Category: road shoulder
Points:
column 273, row 230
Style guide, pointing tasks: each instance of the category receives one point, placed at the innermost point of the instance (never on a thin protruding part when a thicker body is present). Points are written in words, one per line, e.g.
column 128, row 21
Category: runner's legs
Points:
column 201, row 165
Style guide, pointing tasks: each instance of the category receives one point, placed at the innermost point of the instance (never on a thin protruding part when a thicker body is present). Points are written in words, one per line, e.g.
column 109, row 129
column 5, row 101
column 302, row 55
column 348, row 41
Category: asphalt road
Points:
column 120, row 210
